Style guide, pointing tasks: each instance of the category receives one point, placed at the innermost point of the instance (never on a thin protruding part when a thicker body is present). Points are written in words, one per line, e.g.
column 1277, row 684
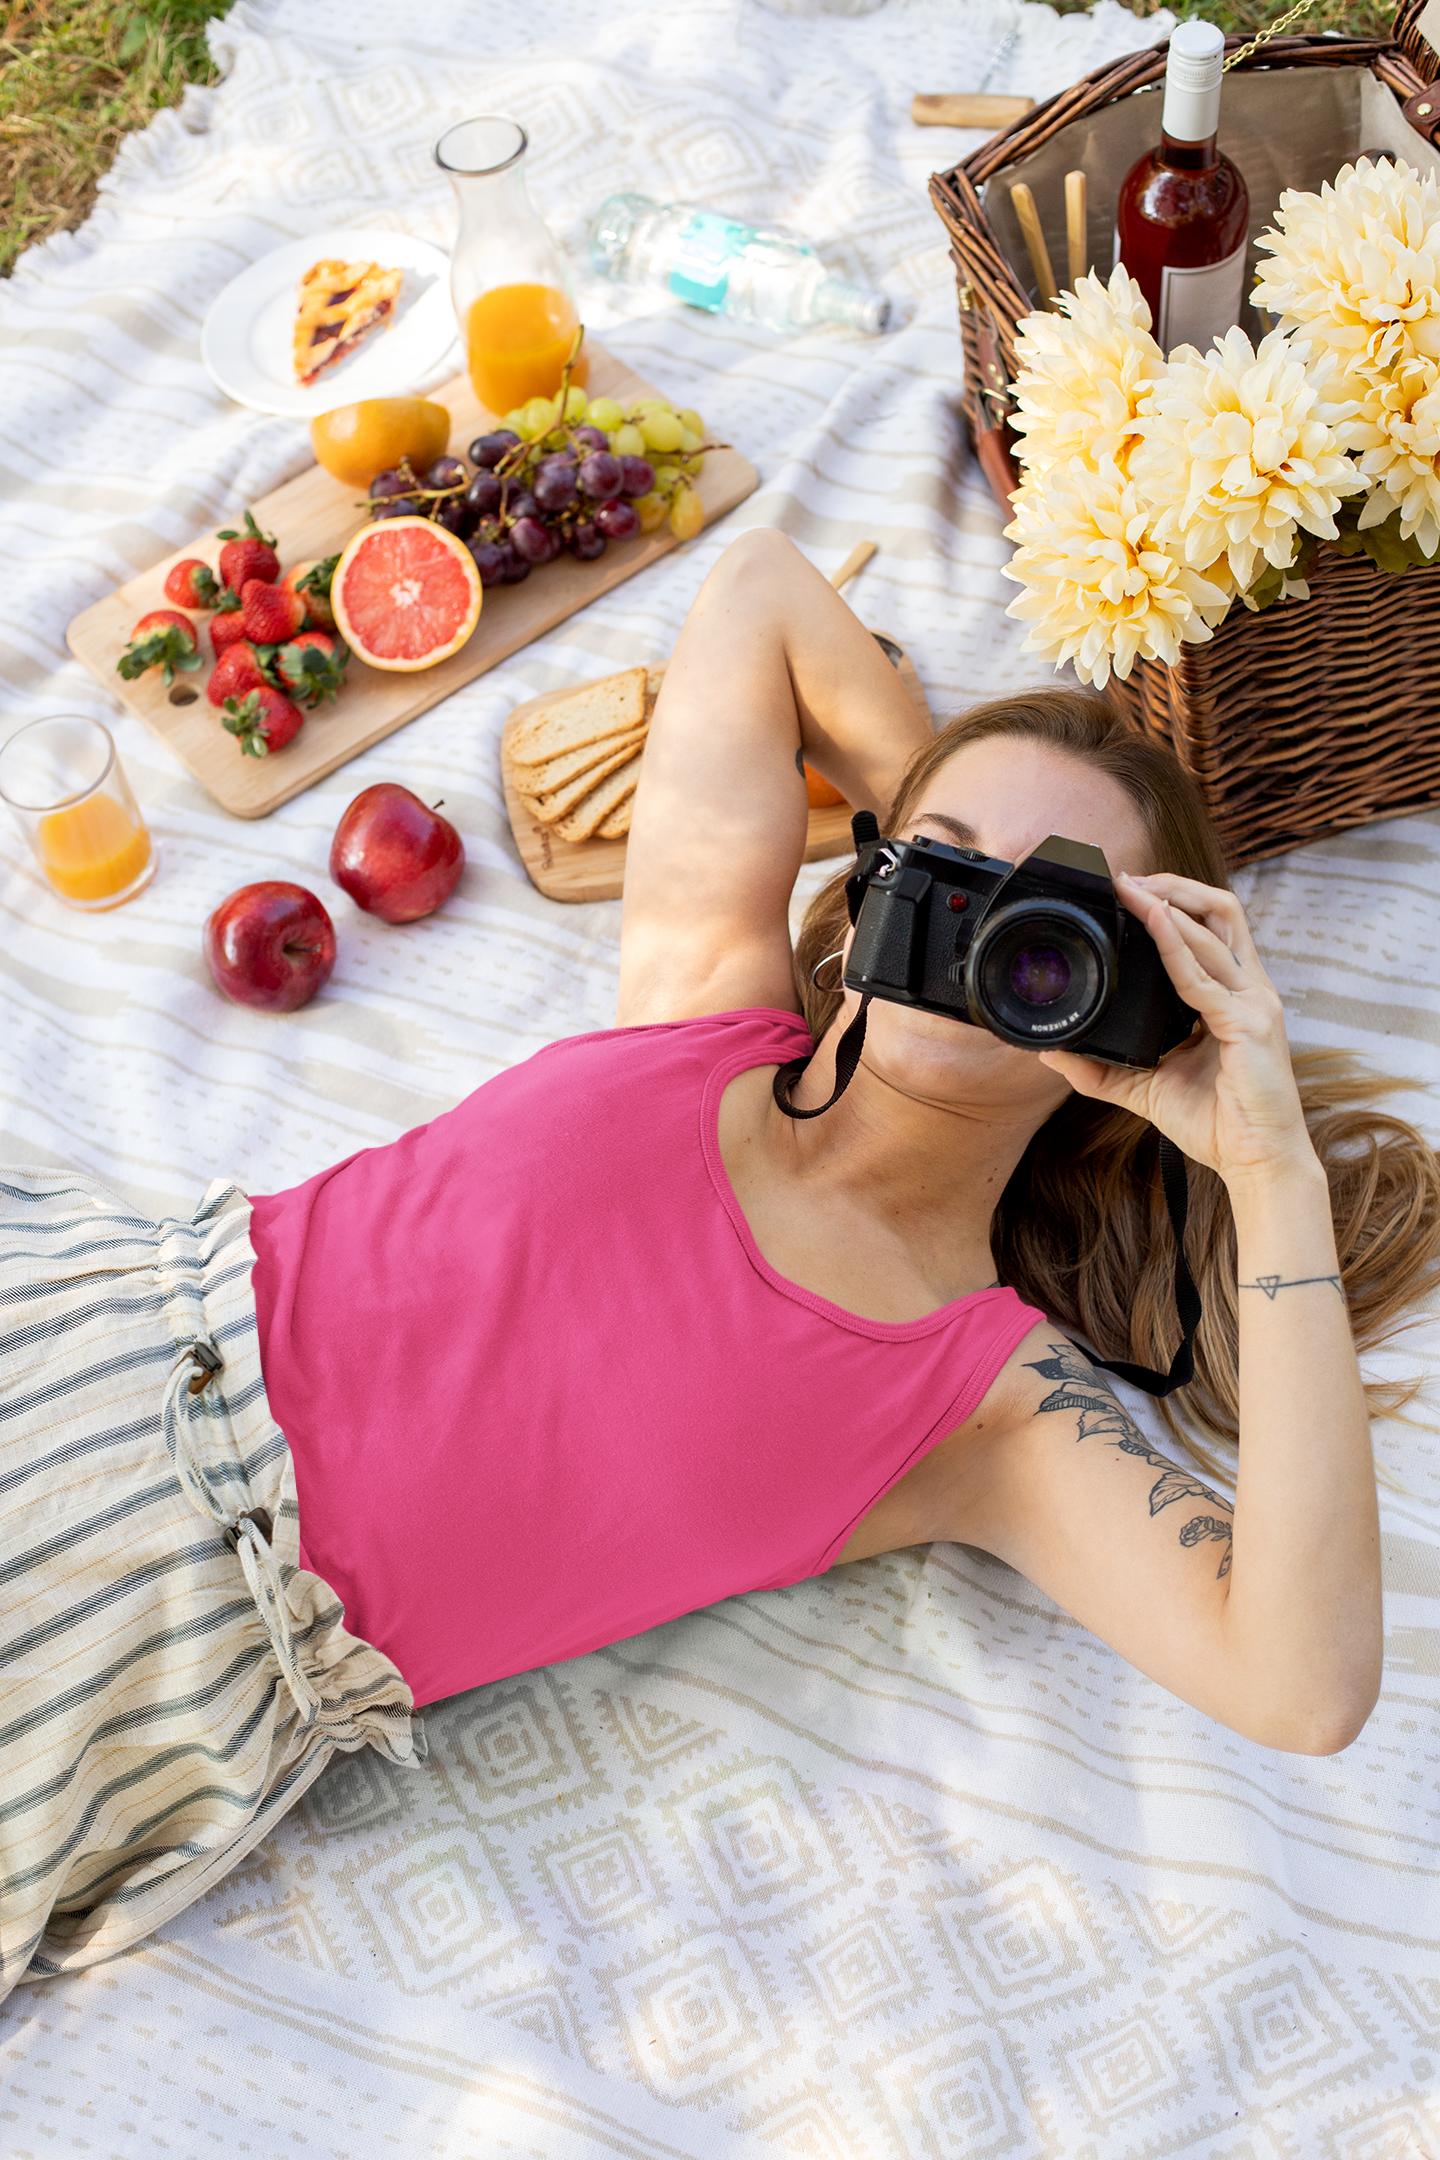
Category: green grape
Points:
column 652, row 404
column 627, row 441
column 662, row 431
column 514, row 420
column 688, row 417
column 576, row 403
column 536, row 418
column 654, row 510
column 687, row 514
column 690, row 441
column 691, row 467
column 606, row 414
column 666, row 477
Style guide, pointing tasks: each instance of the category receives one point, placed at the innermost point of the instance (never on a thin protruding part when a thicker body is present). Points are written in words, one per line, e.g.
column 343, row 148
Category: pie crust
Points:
column 339, row 303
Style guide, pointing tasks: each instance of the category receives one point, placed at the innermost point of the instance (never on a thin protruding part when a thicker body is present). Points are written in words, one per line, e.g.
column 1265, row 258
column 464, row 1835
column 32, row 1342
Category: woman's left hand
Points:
column 1227, row 1097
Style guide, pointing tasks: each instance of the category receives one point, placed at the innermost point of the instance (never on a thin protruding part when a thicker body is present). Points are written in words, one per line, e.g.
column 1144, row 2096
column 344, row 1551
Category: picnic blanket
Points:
column 898, row 1864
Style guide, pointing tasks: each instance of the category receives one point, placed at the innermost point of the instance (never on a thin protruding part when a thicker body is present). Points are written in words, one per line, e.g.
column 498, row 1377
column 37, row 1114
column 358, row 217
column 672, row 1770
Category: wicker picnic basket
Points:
column 1318, row 714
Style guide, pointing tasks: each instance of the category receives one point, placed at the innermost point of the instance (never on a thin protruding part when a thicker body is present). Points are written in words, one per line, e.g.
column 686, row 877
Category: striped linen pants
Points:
column 170, row 1679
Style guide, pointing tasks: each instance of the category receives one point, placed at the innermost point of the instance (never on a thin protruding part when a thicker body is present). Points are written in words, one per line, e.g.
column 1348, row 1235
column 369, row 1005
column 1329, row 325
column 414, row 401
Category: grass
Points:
column 76, row 76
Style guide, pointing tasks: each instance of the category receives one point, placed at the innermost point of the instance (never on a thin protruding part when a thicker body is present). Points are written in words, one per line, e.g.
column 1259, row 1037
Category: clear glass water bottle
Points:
column 755, row 273
column 513, row 293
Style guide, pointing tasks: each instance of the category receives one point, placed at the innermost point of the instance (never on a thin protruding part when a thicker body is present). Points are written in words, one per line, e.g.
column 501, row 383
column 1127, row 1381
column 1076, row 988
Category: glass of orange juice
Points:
column 513, row 293
column 67, row 789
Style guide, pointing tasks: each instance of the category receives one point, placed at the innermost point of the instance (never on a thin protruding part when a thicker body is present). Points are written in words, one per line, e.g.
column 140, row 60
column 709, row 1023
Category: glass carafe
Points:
column 514, row 298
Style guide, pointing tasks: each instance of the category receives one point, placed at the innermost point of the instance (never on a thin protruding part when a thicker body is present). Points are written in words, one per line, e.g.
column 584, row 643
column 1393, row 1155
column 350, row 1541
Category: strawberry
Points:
column 272, row 614
column 192, row 584
column 161, row 639
column 312, row 581
column 227, row 625
column 312, row 666
column 249, row 554
column 263, row 721
column 237, row 671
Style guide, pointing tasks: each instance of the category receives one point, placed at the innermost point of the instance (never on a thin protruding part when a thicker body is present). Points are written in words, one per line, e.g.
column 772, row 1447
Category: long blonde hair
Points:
column 1081, row 1229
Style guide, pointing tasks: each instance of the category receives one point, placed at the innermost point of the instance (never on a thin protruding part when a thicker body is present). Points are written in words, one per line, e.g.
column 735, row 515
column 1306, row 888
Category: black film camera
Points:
column 1040, row 952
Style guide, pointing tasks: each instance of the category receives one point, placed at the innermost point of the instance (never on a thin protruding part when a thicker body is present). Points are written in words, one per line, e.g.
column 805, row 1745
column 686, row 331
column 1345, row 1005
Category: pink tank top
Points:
column 542, row 1388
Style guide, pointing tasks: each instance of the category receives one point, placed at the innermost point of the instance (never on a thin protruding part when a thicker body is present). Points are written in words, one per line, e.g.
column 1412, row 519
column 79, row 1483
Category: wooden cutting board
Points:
column 595, row 869
column 314, row 516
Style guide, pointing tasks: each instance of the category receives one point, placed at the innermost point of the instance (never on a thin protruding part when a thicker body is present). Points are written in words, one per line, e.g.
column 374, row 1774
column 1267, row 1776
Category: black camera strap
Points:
column 847, row 1057
column 1172, row 1178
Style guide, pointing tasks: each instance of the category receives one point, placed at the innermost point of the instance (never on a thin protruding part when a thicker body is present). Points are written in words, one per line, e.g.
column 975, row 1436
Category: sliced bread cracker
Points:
column 617, row 825
column 548, row 809
column 613, row 706
column 558, row 772
column 588, row 816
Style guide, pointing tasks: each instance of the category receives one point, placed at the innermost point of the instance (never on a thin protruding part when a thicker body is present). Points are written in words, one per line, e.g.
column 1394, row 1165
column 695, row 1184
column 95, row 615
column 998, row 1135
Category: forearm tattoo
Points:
column 1271, row 1283
column 1103, row 1417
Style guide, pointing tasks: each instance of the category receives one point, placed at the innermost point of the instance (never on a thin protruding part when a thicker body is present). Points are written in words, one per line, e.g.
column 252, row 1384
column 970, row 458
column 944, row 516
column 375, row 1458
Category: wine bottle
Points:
column 1184, row 210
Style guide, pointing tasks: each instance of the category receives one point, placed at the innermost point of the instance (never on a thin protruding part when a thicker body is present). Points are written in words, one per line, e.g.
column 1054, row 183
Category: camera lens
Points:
column 1040, row 973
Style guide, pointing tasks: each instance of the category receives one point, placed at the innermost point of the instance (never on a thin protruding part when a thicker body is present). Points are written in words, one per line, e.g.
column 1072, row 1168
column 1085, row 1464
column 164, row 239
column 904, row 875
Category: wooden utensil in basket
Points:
column 1316, row 715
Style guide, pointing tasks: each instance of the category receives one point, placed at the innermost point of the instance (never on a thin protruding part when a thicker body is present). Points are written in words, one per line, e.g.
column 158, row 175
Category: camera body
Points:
column 1040, row 952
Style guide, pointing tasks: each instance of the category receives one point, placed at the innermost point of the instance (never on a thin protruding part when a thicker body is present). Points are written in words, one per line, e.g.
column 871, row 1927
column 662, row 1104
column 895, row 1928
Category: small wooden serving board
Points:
column 314, row 516
column 595, row 869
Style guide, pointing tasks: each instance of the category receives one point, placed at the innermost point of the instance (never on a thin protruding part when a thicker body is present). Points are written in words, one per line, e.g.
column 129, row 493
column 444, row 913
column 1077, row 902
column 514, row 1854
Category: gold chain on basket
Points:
column 1301, row 7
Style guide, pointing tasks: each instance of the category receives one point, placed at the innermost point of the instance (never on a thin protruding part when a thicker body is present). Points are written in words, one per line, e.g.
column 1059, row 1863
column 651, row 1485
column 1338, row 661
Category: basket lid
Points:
column 1416, row 30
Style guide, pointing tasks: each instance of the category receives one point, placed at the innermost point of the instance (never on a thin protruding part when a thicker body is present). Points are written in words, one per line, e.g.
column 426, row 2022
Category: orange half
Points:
column 354, row 442
column 406, row 594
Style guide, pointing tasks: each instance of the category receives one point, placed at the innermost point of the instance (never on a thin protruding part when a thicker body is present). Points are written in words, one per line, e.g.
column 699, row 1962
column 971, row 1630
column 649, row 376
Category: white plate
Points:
column 248, row 339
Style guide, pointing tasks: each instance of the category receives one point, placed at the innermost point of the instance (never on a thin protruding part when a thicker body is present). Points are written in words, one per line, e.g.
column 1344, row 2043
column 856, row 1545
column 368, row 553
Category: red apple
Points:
column 270, row 945
column 395, row 857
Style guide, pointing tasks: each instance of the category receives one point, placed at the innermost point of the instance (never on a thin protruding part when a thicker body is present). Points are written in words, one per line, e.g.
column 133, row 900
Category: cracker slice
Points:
column 617, row 825
column 613, row 706
column 588, row 816
column 559, row 771
column 548, row 809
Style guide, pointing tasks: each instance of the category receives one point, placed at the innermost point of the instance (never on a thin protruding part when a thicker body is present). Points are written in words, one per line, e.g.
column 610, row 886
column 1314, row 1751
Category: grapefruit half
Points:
column 406, row 594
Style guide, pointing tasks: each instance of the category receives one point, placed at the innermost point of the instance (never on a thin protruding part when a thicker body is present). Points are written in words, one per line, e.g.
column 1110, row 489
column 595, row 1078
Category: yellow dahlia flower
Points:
column 1240, row 449
column 1099, row 590
column 1398, row 434
column 1082, row 374
column 1357, row 267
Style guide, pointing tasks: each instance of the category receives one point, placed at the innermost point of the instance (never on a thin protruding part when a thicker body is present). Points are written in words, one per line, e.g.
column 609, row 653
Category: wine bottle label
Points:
column 1197, row 305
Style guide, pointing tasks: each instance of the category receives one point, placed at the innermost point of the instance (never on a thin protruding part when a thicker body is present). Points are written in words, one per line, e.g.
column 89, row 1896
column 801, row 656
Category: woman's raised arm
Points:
column 1267, row 1617
column 771, row 664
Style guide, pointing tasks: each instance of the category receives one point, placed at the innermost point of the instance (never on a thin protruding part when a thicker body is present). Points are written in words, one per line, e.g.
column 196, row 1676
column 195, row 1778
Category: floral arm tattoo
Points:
column 1102, row 1416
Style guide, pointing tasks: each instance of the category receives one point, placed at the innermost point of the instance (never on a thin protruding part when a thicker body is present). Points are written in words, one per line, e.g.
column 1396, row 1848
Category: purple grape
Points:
column 587, row 541
column 618, row 519
column 398, row 506
column 533, row 541
column 637, row 476
column 388, row 483
column 457, row 516
column 483, row 494
column 516, row 567
column 520, row 503
column 446, row 472
column 491, row 560
column 487, row 450
column 590, row 438
column 600, row 475
column 555, row 483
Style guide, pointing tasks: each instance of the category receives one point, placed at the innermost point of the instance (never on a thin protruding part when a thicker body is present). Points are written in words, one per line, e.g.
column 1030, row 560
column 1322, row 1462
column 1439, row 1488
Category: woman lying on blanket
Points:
column 622, row 1335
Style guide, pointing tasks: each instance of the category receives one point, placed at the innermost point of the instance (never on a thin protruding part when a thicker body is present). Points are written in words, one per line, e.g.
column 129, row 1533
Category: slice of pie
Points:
column 339, row 303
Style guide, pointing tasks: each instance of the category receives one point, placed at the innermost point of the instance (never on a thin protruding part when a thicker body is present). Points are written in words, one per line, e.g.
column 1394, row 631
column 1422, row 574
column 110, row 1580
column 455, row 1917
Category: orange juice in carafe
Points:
column 519, row 338
column 93, row 850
